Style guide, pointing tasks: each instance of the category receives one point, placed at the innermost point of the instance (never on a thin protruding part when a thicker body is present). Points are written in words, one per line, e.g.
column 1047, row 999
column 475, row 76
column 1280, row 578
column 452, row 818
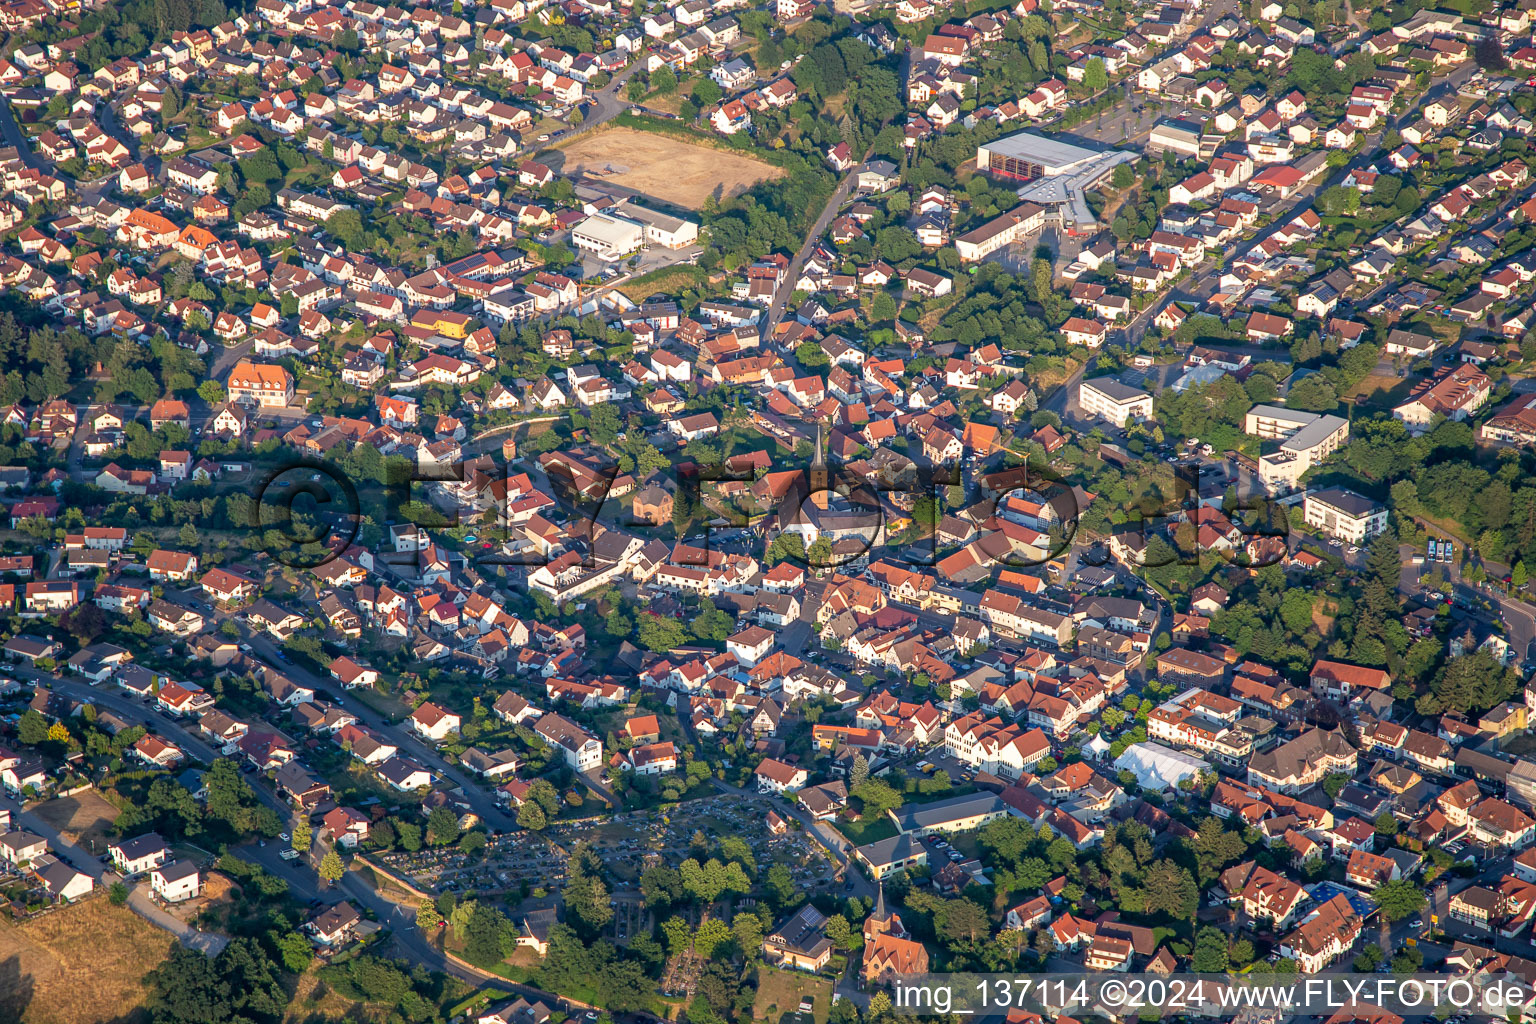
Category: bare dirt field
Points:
column 84, row 964
column 82, row 818
column 665, row 168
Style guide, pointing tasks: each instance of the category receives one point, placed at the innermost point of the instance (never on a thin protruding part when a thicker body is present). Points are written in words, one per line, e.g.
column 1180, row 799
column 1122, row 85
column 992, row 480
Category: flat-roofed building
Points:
column 1307, row 438
column 1344, row 515
column 1176, row 135
column 1113, row 402
column 1051, row 173
column 608, row 238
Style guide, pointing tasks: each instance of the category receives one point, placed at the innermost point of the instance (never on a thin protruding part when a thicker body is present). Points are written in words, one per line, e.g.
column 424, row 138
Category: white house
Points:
column 176, row 882
column 777, row 777
column 434, row 723
column 139, row 854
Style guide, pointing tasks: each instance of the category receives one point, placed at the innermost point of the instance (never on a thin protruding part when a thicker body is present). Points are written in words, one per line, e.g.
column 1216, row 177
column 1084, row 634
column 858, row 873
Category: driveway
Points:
column 140, row 899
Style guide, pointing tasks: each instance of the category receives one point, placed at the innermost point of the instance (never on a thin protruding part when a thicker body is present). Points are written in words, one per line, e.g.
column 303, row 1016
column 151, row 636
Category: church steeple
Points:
column 820, row 477
column 882, row 921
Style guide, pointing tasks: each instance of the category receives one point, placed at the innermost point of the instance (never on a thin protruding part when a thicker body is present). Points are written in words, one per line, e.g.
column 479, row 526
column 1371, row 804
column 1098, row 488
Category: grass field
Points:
column 84, row 964
column 668, row 280
column 779, row 994
column 670, row 169
column 1379, row 391
column 83, row 818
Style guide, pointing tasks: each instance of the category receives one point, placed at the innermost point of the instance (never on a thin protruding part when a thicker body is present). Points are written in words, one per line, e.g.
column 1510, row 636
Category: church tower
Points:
column 821, row 476
column 882, row 921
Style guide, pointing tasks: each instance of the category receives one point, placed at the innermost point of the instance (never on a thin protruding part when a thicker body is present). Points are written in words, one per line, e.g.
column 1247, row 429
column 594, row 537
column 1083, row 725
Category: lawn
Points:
column 779, row 994
column 1379, row 391
column 866, row 831
column 386, row 704
column 80, row 965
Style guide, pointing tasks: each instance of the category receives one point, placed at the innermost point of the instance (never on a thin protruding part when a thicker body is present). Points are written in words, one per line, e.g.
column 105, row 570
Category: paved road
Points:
column 792, row 272
column 399, row 918
column 13, row 135
column 140, row 899
column 411, row 745
column 605, row 105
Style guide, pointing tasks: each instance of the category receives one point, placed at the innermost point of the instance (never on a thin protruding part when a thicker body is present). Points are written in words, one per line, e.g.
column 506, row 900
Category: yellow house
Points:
column 449, row 325
column 1507, row 718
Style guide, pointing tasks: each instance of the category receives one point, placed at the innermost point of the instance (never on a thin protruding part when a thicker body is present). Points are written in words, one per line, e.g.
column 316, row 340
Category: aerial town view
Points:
column 790, row 512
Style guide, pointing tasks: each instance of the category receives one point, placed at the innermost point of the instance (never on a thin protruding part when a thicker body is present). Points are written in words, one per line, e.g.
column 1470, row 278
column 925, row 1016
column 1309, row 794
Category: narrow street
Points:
column 409, row 743
column 786, row 286
column 11, row 132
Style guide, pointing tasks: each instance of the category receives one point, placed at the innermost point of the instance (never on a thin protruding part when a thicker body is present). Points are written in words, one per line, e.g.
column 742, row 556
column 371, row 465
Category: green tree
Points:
column 303, row 837
column 1369, row 958
column 660, row 633
column 1399, row 898
column 442, row 827
column 587, row 905
column 331, row 867
column 1094, row 75
column 32, row 729
column 531, row 816
column 1210, row 956
column 712, row 934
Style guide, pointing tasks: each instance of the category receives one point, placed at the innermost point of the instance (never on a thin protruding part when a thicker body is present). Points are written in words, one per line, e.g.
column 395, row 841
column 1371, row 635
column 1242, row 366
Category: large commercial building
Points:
column 957, row 814
column 1112, row 401
column 626, row 227
column 1306, row 439
column 1051, row 173
column 1344, row 515
column 608, row 238
column 1173, row 134
column 661, row 229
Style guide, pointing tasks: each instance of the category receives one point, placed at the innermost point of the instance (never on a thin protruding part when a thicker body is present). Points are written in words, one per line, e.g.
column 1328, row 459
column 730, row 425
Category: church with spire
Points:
column 888, row 950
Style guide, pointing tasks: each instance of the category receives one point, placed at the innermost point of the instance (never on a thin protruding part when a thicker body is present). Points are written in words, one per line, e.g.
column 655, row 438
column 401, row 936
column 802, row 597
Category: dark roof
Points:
column 1345, row 501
